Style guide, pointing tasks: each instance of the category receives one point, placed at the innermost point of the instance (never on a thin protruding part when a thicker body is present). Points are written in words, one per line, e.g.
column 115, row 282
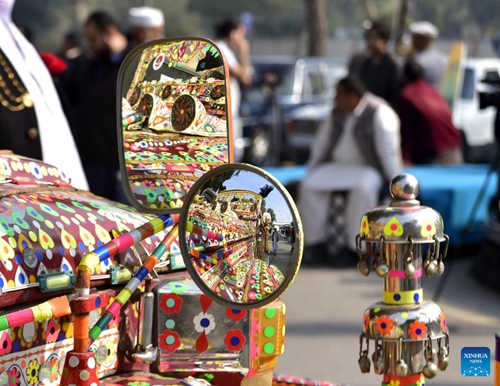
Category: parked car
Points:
column 282, row 84
column 475, row 124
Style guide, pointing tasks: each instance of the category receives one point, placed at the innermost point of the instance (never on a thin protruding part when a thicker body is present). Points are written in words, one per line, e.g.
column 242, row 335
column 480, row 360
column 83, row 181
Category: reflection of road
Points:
column 283, row 258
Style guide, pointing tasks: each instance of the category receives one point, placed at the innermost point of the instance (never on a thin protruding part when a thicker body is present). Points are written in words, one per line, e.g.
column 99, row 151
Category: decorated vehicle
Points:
column 181, row 289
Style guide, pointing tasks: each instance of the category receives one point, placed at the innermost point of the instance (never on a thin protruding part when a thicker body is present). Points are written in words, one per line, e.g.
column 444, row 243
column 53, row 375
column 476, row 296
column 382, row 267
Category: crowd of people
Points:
column 388, row 113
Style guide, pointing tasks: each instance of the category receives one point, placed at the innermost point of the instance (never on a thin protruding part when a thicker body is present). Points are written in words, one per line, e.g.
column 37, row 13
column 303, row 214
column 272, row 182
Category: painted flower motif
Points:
column 110, row 358
column 366, row 321
column 204, row 322
column 28, row 334
column 14, row 377
column 171, row 303
column 384, row 324
column 169, row 341
column 148, row 184
column 5, row 343
column 32, row 372
column 417, row 330
column 442, row 322
column 234, row 340
column 394, row 383
column 54, row 368
column 52, row 330
column 420, row 382
column 235, row 315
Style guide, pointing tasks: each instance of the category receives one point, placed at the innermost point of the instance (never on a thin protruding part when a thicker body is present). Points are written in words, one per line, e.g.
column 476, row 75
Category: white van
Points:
column 476, row 124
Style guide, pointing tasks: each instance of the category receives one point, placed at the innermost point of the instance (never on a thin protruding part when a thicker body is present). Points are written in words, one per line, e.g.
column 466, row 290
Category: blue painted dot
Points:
column 65, row 267
column 383, row 326
column 24, row 243
column 235, row 341
column 1, row 283
column 397, row 297
column 418, row 331
column 236, row 311
column 19, row 260
column 16, row 346
column 81, row 246
column 37, row 171
column 205, row 323
column 22, row 279
column 61, row 250
column 39, row 255
column 98, row 302
column 416, row 297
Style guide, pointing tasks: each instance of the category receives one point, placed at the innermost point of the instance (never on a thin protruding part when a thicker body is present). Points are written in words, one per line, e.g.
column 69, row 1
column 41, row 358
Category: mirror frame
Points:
column 294, row 269
column 119, row 92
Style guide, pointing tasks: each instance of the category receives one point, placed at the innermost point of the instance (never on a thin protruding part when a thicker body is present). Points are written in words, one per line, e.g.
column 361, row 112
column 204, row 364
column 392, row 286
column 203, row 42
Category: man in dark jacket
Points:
column 428, row 135
column 92, row 93
column 380, row 71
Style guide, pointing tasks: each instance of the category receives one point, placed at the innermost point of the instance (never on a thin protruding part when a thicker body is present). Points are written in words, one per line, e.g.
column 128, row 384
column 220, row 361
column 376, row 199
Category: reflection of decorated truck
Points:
column 96, row 293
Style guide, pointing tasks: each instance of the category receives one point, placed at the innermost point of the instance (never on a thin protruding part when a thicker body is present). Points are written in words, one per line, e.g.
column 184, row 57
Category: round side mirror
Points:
column 240, row 236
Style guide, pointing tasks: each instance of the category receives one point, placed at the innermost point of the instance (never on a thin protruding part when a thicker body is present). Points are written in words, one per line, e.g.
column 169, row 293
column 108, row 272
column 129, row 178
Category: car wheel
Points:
column 261, row 151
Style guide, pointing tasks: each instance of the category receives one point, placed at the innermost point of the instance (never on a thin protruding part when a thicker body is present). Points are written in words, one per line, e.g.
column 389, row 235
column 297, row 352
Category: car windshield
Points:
column 283, row 71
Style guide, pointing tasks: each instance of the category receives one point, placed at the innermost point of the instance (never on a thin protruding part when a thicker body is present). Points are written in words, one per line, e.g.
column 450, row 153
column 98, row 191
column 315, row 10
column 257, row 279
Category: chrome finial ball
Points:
column 404, row 187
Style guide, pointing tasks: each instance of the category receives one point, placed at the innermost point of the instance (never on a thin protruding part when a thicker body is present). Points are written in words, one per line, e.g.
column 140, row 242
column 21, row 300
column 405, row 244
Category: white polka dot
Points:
column 17, row 229
column 72, row 252
column 73, row 361
column 59, row 225
column 75, row 221
column 8, row 265
column 84, row 375
column 94, row 384
column 91, row 363
column 49, row 254
column 36, row 224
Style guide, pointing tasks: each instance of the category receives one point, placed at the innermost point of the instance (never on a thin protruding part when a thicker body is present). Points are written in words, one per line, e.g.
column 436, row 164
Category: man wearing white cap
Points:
column 432, row 60
column 146, row 23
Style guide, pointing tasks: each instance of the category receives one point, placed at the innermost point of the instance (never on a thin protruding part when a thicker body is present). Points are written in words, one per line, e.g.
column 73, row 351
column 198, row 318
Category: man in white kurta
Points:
column 357, row 150
column 58, row 147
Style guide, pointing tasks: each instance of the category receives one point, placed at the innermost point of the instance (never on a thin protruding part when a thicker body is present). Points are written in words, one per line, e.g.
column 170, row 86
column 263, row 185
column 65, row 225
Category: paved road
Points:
column 324, row 320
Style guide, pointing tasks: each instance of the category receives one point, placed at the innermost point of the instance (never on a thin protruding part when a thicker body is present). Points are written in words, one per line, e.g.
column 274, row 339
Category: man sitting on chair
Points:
column 357, row 150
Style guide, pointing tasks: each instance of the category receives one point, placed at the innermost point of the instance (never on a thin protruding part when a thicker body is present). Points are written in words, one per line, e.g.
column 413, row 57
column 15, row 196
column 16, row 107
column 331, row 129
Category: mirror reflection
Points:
column 240, row 237
column 174, row 120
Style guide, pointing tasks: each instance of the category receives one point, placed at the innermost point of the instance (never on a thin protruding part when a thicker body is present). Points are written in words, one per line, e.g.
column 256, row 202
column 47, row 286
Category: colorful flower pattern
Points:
column 235, row 315
column 204, row 323
column 169, row 341
column 171, row 303
column 234, row 340
column 384, row 324
column 14, row 377
column 418, row 330
column 32, row 372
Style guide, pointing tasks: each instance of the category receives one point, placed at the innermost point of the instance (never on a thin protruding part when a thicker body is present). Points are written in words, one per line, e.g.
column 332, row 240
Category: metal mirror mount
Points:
column 173, row 120
column 240, row 236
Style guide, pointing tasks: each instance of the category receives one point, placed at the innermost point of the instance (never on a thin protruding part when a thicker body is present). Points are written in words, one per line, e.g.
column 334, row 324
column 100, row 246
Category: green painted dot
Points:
column 170, row 303
column 270, row 313
column 269, row 331
column 376, row 309
column 404, row 315
column 170, row 324
column 269, row 348
column 170, row 340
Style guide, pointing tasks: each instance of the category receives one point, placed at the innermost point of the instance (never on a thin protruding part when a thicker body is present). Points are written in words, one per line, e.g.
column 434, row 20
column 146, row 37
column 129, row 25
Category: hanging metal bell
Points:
column 375, row 356
column 382, row 269
column 440, row 268
column 401, row 368
column 364, row 364
column 430, row 370
column 378, row 366
column 363, row 268
column 410, row 271
column 431, row 268
column 443, row 360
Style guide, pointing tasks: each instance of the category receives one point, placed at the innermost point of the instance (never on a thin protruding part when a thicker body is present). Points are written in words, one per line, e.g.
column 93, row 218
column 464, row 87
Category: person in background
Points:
column 231, row 40
column 357, row 149
column 380, row 72
column 145, row 24
column 32, row 120
column 91, row 88
column 428, row 135
column 423, row 51
column 71, row 47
